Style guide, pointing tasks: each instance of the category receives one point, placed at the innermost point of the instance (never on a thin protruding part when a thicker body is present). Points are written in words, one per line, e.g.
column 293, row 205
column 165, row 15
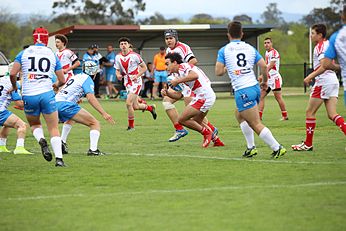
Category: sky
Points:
column 174, row 8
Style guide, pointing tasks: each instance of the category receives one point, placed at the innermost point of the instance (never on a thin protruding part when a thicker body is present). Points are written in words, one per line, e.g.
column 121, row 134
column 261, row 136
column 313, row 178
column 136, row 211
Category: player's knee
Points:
column 168, row 105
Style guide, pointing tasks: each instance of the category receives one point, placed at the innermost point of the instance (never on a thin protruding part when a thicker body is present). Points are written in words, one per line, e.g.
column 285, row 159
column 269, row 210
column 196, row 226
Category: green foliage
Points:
column 272, row 15
column 207, row 19
column 243, row 18
column 328, row 16
column 100, row 12
column 146, row 183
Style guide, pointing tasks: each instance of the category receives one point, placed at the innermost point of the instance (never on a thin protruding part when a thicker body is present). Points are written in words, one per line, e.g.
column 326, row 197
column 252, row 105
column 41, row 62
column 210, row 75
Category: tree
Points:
column 243, row 18
column 207, row 19
column 101, row 12
column 272, row 15
column 323, row 15
column 329, row 15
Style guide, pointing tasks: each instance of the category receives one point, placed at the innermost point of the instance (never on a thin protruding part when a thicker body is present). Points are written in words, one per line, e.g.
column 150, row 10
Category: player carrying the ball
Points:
column 203, row 98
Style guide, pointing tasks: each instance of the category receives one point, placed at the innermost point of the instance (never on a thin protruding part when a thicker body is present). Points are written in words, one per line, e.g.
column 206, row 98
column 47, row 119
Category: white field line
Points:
column 171, row 191
column 279, row 161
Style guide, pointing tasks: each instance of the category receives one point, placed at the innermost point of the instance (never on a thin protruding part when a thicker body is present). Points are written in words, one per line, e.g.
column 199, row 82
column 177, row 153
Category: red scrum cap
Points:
column 40, row 35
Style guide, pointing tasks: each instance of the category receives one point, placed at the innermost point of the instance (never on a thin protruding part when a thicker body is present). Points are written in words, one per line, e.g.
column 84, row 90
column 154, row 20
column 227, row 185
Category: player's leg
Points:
column 172, row 113
column 131, row 98
column 14, row 121
column 248, row 135
column 333, row 115
column 250, row 97
column 215, row 138
column 55, row 140
column 310, row 123
column 278, row 96
column 192, row 118
column 137, row 105
column 65, row 131
column 4, row 131
column 261, row 104
column 85, row 118
column 49, row 111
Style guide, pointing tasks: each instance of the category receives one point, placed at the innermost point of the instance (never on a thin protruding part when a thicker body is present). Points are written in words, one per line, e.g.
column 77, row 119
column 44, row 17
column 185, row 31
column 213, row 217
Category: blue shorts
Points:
column 67, row 110
column 42, row 103
column 247, row 97
column 3, row 116
column 160, row 76
column 110, row 77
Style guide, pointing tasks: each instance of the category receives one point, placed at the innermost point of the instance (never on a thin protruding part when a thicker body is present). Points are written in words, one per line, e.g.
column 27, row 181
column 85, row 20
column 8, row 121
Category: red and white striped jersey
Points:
column 128, row 65
column 67, row 57
column 327, row 77
column 198, row 86
column 183, row 49
column 273, row 56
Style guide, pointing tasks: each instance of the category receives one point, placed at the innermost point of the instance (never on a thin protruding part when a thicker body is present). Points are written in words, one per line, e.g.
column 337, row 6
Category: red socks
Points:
column 178, row 126
column 340, row 122
column 310, row 124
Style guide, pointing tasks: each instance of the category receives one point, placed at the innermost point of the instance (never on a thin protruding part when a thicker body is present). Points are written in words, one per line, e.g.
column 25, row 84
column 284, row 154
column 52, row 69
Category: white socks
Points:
column 3, row 141
column 66, row 128
column 269, row 139
column 94, row 139
column 56, row 146
column 248, row 134
column 38, row 134
column 20, row 142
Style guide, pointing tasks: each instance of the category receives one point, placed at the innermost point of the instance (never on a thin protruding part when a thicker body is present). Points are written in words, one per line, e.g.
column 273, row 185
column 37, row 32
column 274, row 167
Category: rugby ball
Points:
column 179, row 87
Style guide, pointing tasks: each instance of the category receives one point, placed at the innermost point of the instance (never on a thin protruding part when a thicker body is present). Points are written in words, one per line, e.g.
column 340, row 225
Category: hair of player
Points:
column 62, row 38
column 268, row 38
column 174, row 57
column 235, row 29
column 320, row 29
column 124, row 39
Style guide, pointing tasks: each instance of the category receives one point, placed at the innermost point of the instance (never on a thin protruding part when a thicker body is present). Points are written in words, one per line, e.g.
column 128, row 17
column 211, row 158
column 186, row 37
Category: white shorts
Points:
column 203, row 102
column 275, row 82
column 325, row 91
column 135, row 88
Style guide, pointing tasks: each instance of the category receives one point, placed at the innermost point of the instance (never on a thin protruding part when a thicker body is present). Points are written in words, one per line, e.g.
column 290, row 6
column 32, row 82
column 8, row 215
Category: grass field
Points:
column 147, row 183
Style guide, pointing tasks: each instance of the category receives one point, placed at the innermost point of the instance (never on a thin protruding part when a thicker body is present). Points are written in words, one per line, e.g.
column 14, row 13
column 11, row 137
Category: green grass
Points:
column 147, row 183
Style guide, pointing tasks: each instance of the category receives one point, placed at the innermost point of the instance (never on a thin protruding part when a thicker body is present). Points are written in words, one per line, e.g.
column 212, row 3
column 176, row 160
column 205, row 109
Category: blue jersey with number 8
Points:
column 239, row 58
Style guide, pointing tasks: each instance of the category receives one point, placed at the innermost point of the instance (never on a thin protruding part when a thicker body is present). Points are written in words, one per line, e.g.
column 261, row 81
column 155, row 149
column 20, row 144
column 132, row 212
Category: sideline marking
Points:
column 162, row 191
column 280, row 161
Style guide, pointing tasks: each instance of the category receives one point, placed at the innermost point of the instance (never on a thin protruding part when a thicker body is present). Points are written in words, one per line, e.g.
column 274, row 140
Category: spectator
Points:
column 110, row 72
column 148, row 81
column 159, row 71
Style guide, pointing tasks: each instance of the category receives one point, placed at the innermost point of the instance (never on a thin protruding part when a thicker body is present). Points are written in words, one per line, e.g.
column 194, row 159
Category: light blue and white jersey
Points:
column 239, row 58
column 5, row 96
column 75, row 88
column 337, row 49
column 38, row 64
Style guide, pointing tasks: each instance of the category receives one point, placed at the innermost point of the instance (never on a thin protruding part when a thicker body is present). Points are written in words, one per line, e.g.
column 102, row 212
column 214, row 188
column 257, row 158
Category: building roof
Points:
column 249, row 30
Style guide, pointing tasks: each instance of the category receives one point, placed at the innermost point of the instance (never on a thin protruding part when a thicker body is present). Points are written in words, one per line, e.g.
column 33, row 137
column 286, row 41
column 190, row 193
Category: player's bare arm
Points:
column 190, row 77
column 220, row 69
column 119, row 75
column 328, row 64
column 193, row 61
column 95, row 103
column 263, row 72
column 13, row 75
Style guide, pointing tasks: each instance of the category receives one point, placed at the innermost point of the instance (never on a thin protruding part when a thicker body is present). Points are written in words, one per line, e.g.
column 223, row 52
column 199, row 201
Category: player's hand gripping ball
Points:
column 178, row 87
